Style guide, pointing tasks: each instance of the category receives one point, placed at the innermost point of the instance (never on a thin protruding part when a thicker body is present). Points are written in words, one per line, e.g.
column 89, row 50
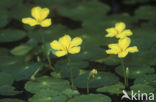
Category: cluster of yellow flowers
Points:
column 65, row 44
column 122, row 47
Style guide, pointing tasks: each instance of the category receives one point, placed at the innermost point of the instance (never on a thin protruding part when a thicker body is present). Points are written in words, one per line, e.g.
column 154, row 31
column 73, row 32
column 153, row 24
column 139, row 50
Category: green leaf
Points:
column 102, row 79
column 11, row 35
column 91, row 98
column 146, row 12
column 112, row 89
column 20, row 70
column 64, row 67
column 51, row 33
column 6, row 87
column 3, row 18
column 11, row 100
column 84, row 10
column 146, row 79
column 21, row 50
column 47, row 96
column 45, row 82
column 142, row 88
column 70, row 93
column 135, row 71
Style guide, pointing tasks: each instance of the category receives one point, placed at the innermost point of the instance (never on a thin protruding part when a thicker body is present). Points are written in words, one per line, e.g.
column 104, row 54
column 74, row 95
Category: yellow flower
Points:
column 119, row 31
column 39, row 17
column 122, row 48
column 93, row 72
column 66, row 45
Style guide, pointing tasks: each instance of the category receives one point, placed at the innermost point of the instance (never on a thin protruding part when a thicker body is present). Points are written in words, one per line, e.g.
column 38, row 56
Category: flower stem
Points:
column 124, row 72
column 71, row 72
column 88, row 80
column 46, row 53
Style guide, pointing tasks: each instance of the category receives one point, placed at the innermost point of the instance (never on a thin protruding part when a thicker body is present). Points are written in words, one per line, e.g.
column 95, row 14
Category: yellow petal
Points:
column 44, row 13
column 30, row 21
column 127, row 32
column 123, row 34
column 111, row 32
column 122, row 54
column 132, row 49
column 65, row 41
column 75, row 42
column 74, row 50
column 46, row 23
column 60, row 53
column 120, row 26
column 36, row 12
column 56, row 46
column 124, row 43
column 113, row 46
column 111, row 51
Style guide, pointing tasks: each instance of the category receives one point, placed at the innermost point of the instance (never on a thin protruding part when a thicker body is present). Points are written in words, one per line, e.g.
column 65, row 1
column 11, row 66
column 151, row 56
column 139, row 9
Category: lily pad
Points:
column 112, row 89
column 11, row 35
column 91, row 98
column 146, row 79
column 143, row 88
column 135, row 71
column 11, row 100
column 46, row 83
column 102, row 79
column 3, row 18
column 83, row 11
column 48, row 96
column 146, row 12
column 64, row 67
column 21, row 50
column 6, row 87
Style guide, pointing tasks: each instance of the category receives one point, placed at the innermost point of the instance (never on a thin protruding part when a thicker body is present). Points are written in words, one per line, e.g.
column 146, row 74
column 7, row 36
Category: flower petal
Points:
column 111, row 32
column 44, row 13
column 74, row 50
column 75, row 42
column 36, row 12
column 127, row 32
column 124, row 43
column 56, row 46
column 60, row 53
column 65, row 41
column 46, row 23
column 123, row 54
column 132, row 49
column 30, row 21
column 120, row 26
column 111, row 51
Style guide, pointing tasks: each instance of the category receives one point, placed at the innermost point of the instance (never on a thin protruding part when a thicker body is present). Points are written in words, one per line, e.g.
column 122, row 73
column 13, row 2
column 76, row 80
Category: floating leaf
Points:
column 6, row 87
column 135, row 71
column 112, row 89
column 45, row 82
column 84, row 10
column 102, row 79
column 64, row 67
column 142, row 88
column 11, row 100
column 21, row 50
column 47, row 96
column 91, row 98
column 146, row 12
column 11, row 35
